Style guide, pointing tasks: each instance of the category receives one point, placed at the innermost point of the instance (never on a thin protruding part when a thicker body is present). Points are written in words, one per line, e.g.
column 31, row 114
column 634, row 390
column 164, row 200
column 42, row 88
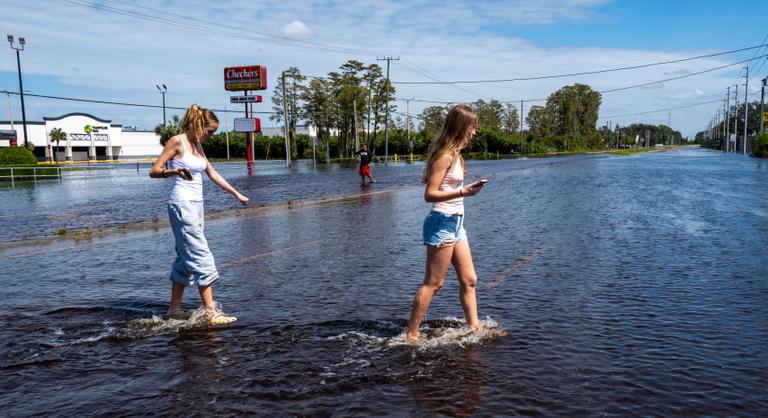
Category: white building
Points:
column 88, row 138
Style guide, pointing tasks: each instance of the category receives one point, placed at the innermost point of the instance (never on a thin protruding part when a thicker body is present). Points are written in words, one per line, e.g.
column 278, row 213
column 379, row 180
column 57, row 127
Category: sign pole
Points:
column 248, row 150
column 226, row 130
column 253, row 136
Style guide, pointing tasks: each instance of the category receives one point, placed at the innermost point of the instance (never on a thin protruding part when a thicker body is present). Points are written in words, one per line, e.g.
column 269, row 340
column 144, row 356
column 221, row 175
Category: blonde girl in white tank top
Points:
column 444, row 234
column 194, row 264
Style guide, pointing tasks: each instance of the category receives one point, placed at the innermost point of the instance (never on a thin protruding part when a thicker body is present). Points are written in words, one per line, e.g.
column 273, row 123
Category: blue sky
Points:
column 91, row 49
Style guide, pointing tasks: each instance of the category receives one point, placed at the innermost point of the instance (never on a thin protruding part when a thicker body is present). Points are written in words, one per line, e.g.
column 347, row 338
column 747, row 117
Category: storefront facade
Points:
column 88, row 138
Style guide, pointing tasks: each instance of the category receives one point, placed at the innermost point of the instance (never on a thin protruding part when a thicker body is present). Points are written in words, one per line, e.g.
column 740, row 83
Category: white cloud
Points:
column 297, row 30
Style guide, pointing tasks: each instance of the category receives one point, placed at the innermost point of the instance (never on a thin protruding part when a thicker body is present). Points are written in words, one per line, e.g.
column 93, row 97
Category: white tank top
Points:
column 453, row 180
column 185, row 190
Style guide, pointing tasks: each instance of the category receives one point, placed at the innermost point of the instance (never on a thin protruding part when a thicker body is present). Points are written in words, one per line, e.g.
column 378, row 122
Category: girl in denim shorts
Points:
column 194, row 265
column 444, row 234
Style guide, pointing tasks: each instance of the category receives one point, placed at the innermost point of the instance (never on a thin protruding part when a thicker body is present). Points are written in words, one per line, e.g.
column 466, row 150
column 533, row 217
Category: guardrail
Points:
column 16, row 174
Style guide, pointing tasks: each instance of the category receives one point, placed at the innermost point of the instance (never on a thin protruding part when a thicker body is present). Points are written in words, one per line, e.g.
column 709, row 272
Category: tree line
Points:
column 348, row 107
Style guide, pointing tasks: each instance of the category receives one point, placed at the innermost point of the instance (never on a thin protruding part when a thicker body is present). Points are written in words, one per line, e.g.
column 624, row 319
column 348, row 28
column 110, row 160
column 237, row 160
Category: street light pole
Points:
column 162, row 91
column 386, row 111
column 22, row 42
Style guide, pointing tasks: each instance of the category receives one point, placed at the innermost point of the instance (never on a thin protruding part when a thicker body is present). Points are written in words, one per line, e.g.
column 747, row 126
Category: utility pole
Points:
column 368, row 120
column 669, row 125
column 735, row 117
column 719, row 131
column 522, row 138
column 285, row 125
column 354, row 121
column 408, row 123
column 386, row 113
column 762, row 106
column 327, row 137
column 728, row 120
column 746, row 110
column 725, row 124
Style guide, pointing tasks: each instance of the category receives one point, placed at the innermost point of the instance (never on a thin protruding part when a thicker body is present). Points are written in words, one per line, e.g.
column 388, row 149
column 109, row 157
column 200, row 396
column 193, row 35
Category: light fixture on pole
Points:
column 22, row 42
column 162, row 91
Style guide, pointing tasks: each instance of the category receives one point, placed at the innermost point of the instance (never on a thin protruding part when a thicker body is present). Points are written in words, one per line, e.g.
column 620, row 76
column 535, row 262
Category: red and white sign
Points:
column 247, row 125
column 249, row 77
column 245, row 99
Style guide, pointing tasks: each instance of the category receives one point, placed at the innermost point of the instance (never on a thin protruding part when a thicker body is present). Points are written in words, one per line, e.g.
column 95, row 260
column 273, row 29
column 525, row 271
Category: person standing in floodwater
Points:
column 365, row 164
column 443, row 231
column 194, row 265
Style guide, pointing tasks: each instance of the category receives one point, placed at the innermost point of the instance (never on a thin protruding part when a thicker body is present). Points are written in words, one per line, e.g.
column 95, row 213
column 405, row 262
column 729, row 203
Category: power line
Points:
column 661, row 110
column 424, row 72
column 679, row 77
column 741, row 71
column 583, row 72
column 109, row 102
column 609, row 90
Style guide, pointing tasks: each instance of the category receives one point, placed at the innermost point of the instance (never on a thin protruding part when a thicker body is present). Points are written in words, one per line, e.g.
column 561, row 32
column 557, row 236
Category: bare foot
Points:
column 412, row 338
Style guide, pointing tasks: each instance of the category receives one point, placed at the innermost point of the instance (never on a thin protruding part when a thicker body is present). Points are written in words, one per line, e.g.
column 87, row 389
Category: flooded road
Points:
column 627, row 286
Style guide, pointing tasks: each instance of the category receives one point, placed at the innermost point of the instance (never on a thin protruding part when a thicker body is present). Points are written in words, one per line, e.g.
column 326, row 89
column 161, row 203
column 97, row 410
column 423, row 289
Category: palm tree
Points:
column 169, row 130
column 57, row 135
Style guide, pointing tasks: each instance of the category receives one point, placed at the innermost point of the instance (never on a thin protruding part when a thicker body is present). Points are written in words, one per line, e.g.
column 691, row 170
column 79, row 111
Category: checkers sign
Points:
column 249, row 77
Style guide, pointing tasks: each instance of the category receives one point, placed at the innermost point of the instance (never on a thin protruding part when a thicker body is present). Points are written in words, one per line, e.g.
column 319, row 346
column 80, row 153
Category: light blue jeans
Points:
column 443, row 229
column 194, row 265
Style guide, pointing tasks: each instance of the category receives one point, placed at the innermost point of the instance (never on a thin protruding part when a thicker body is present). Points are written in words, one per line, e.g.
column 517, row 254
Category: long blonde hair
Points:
column 195, row 120
column 453, row 138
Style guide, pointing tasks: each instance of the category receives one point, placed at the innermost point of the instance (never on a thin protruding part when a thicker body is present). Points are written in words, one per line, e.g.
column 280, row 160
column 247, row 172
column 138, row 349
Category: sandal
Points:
column 220, row 319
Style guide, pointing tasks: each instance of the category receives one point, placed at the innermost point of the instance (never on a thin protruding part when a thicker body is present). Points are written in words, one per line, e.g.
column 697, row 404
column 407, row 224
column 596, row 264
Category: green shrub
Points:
column 760, row 145
column 16, row 156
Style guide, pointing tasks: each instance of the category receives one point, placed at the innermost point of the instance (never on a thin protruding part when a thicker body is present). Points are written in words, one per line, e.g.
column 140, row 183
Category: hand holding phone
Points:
column 184, row 173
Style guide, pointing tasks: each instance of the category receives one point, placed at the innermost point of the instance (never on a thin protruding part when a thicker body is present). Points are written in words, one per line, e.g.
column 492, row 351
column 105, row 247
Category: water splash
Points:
column 449, row 333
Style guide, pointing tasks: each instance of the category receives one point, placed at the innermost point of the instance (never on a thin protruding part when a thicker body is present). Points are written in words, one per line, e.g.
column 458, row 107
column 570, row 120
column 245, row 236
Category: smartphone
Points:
column 482, row 181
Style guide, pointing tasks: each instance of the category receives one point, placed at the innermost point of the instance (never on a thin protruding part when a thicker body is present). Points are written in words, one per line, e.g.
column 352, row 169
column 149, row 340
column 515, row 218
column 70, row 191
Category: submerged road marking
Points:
column 519, row 263
column 244, row 260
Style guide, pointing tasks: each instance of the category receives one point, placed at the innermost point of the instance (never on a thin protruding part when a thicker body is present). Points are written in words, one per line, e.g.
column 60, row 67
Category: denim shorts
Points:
column 194, row 265
column 440, row 227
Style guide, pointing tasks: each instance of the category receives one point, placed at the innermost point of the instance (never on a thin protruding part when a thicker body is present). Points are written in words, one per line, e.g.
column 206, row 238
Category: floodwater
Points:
column 627, row 286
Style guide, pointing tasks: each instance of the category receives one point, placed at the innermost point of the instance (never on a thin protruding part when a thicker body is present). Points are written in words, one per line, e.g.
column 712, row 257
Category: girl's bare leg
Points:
column 206, row 294
column 465, row 270
column 177, row 294
column 438, row 260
